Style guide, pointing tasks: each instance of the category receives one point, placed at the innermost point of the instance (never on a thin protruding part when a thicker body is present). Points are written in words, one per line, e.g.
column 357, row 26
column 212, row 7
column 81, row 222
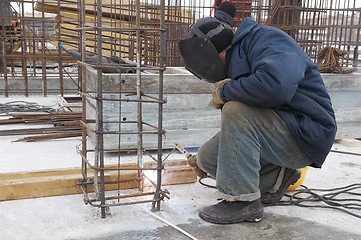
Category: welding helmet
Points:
column 208, row 37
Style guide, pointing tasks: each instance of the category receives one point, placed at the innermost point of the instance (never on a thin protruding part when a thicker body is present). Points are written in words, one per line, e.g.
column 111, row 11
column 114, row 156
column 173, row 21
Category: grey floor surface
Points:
column 67, row 217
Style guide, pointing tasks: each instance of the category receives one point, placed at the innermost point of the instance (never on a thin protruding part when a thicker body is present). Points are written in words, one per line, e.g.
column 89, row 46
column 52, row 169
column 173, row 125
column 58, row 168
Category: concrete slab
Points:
column 67, row 217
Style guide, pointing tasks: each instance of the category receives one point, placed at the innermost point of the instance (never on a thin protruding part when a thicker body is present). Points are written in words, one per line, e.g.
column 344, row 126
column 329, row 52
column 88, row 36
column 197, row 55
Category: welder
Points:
column 276, row 115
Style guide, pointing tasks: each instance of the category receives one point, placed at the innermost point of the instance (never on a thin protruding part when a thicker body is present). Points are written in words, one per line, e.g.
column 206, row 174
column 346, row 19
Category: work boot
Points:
column 233, row 212
column 290, row 177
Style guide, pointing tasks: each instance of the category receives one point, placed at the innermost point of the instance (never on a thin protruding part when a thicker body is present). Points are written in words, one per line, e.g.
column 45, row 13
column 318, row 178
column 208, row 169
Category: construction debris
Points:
column 22, row 106
column 66, row 124
column 329, row 60
column 49, row 137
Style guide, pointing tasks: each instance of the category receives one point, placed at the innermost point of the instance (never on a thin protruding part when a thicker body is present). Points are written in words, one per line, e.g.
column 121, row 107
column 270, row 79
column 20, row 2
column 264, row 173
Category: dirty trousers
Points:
column 247, row 155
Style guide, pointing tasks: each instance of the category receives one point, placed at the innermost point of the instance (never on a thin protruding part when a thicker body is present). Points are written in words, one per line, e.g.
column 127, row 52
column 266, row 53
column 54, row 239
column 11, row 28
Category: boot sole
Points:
column 256, row 217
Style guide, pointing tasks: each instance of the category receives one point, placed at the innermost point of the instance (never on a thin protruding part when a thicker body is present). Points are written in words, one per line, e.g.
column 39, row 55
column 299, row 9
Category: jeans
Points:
column 247, row 155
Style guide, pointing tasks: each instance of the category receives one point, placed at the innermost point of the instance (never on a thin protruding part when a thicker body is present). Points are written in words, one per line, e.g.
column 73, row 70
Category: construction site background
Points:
column 34, row 35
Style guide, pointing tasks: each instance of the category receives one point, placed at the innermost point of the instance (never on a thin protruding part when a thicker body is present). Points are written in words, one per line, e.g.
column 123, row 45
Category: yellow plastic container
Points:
column 300, row 180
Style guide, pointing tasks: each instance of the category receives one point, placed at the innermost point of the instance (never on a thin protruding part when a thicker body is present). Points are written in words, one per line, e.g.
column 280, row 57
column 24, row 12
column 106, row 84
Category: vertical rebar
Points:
column 33, row 41
column 350, row 35
column 43, row 55
column 3, row 61
column 4, row 67
column 357, row 40
column 82, row 78
column 99, row 101
column 160, row 106
column 139, row 98
column 23, row 52
column 3, row 58
column 60, row 59
column 120, row 92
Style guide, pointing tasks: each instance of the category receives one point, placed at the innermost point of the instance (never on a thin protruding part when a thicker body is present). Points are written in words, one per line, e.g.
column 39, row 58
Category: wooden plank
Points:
column 55, row 182
column 115, row 21
column 120, row 9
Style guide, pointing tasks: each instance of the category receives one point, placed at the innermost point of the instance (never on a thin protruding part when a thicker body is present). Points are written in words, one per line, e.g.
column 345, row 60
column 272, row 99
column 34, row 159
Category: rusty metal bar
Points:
column 99, row 109
column 82, row 79
column 156, row 205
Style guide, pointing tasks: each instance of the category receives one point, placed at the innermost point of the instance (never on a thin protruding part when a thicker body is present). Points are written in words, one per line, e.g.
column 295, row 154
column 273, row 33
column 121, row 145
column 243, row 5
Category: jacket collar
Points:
column 246, row 26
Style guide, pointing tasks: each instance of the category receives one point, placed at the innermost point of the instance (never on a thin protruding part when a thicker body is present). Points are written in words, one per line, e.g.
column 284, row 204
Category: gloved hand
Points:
column 216, row 95
column 192, row 162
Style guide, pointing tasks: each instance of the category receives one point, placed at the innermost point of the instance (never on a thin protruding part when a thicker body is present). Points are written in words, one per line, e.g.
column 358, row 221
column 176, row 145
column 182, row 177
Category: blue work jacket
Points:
column 270, row 70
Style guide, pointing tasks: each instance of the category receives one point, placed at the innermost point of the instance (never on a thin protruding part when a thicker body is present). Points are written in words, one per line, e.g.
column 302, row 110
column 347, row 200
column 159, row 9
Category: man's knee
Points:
column 237, row 112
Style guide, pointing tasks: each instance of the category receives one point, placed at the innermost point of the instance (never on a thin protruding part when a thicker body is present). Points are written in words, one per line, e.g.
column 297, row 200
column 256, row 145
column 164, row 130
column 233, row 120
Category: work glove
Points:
column 192, row 162
column 216, row 93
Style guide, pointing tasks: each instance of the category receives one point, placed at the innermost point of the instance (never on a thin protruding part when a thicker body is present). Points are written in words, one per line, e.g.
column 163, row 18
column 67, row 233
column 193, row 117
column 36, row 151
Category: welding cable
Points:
column 329, row 198
column 206, row 184
column 75, row 46
column 170, row 224
column 312, row 196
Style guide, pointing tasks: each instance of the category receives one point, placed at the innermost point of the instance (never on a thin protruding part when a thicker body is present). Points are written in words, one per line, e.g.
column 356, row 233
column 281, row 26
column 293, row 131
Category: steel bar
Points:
column 127, row 99
column 115, row 169
column 99, row 109
column 82, row 79
column 29, row 131
column 139, row 98
column 122, row 132
column 110, row 181
column 49, row 136
column 90, row 201
column 143, row 67
column 115, row 29
column 156, row 205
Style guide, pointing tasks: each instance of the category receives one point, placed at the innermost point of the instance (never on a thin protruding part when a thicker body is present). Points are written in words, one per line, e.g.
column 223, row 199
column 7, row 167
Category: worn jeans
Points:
column 247, row 155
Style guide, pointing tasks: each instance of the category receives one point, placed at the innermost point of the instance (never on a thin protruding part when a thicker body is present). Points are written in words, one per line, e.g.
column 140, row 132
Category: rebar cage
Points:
column 129, row 32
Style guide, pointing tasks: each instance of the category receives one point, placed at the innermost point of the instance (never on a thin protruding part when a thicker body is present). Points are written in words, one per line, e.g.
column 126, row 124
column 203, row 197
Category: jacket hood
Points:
column 246, row 26
column 225, row 17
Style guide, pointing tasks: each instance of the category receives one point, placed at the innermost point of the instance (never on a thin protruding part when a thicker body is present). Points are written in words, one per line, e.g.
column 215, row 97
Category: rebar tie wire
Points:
column 23, row 106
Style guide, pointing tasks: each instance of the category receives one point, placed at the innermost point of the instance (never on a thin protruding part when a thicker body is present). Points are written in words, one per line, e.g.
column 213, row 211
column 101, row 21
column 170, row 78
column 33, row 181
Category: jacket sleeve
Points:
column 275, row 69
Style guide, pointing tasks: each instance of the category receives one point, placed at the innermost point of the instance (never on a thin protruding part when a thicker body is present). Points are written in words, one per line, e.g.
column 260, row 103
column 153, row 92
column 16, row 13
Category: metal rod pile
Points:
column 66, row 124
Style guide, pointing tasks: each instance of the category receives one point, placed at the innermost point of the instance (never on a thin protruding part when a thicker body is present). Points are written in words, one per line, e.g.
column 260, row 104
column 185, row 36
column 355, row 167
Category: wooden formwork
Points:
column 57, row 182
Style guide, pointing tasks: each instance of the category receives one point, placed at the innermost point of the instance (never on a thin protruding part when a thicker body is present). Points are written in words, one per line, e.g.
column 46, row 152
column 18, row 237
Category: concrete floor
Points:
column 67, row 217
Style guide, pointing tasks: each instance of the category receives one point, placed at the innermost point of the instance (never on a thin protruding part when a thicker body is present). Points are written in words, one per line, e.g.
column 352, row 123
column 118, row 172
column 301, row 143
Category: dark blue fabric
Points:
column 269, row 69
column 224, row 17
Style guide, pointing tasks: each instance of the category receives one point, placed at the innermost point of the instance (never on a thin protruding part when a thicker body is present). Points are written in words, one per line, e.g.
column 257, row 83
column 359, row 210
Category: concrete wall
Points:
column 188, row 115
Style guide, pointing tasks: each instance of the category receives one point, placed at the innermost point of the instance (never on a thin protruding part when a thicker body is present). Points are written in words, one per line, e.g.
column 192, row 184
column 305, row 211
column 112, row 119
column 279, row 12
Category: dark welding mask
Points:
column 200, row 55
column 208, row 37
